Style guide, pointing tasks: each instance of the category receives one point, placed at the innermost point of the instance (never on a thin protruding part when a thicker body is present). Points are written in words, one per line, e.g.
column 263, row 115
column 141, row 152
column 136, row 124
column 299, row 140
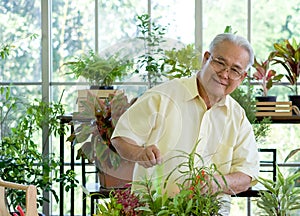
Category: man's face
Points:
column 218, row 83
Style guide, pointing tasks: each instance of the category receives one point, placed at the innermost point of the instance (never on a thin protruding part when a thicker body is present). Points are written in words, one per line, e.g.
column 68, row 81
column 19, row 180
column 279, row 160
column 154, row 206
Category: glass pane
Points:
column 73, row 32
column 218, row 14
column 118, row 30
column 19, row 21
column 273, row 21
column 179, row 18
column 14, row 107
column 117, row 22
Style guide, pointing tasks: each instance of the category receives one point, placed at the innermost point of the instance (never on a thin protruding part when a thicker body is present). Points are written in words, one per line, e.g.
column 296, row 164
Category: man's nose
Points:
column 225, row 72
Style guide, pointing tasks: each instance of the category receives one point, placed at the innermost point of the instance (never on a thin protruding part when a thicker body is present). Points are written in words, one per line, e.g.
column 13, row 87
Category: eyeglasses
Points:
column 219, row 65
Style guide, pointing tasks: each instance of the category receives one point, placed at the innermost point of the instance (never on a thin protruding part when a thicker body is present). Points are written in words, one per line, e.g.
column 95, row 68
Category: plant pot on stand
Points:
column 110, row 177
column 295, row 102
column 96, row 92
column 266, row 98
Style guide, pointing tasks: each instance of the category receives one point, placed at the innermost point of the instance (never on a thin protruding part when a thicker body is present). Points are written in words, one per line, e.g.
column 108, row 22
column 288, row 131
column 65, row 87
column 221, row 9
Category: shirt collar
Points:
column 191, row 85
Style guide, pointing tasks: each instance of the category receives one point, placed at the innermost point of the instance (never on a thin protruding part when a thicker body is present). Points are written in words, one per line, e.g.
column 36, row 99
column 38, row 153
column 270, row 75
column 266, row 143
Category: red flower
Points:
column 19, row 208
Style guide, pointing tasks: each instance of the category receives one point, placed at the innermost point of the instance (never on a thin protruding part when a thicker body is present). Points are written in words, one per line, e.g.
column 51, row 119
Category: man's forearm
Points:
column 235, row 183
column 126, row 148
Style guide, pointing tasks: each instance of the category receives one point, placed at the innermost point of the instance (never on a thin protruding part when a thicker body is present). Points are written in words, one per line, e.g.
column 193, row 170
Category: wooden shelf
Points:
column 293, row 119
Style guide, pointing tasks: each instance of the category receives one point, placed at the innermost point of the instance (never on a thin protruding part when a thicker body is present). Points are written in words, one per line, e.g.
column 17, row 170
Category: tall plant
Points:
column 152, row 36
column 21, row 158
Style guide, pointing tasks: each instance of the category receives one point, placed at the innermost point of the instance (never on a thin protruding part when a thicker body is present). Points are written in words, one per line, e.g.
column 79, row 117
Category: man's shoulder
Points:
column 175, row 86
column 234, row 106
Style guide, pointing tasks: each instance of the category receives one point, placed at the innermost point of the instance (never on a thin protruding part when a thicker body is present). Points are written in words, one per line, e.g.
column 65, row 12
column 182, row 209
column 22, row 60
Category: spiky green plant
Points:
column 280, row 197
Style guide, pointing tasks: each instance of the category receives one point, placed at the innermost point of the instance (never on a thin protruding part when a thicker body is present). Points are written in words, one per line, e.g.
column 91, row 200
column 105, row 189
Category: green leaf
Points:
column 291, row 154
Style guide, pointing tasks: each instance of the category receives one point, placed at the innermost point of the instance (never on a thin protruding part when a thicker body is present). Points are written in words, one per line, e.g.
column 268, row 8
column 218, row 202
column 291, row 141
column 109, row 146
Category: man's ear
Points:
column 244, row 76
column 205, row 57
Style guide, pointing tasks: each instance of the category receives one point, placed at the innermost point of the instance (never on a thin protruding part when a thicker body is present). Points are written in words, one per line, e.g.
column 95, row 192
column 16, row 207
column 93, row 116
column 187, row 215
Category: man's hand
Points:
column 149, row 156
column 210, row 185
column 145, row 156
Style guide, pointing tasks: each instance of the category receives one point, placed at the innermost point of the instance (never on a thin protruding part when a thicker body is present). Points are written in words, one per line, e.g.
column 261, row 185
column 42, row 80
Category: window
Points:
column 78, row 26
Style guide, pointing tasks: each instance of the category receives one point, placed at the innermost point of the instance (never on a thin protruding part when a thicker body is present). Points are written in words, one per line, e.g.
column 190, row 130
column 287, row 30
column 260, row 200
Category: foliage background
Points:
column 73, row 32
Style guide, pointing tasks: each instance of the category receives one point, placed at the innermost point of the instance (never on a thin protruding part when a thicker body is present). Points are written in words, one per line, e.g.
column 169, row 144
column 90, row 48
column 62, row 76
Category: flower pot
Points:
column 295, row 101
column 95, row 87
column 266, row 98
column 116, row 178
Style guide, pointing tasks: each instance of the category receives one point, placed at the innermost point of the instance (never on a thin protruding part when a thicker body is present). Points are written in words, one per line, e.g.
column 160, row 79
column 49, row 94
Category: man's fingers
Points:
column 156, row 152
column 150, row 156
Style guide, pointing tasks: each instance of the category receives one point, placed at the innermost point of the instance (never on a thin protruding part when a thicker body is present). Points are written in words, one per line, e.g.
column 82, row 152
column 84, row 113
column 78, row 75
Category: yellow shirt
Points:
column 174, row 117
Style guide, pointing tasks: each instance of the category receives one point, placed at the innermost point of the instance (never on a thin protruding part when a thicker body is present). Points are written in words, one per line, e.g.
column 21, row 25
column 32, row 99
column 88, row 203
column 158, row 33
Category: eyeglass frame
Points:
column 225, row 67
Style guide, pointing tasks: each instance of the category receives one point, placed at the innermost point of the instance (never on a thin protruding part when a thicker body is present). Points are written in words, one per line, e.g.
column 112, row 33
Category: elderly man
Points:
column 177, row 114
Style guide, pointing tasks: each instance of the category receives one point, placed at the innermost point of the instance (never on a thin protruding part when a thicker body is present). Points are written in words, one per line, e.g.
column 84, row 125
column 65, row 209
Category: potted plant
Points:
column 94, row 126
column 100, row 72
column 281, row 198
column 266, row 76
column 288, row 55
column 151, row 199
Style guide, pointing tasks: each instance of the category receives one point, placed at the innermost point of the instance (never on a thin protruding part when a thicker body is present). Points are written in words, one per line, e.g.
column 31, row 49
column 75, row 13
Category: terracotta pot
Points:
column 116, row 178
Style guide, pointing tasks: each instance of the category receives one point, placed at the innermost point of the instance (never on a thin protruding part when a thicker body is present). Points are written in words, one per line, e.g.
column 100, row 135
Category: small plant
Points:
column 151, row 197
column 266, row 76
column 281, row 197
column 122, row 202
